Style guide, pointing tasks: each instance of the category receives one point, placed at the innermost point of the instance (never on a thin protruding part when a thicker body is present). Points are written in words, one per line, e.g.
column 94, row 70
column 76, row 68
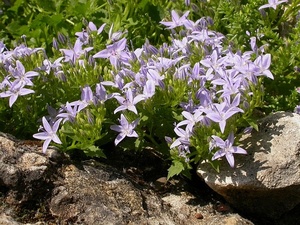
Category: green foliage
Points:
column 41, row 21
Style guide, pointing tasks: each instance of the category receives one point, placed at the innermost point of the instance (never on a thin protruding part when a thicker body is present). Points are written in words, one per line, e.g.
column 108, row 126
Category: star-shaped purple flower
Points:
column 226, row 148
column 125, row 129
column 49, row 133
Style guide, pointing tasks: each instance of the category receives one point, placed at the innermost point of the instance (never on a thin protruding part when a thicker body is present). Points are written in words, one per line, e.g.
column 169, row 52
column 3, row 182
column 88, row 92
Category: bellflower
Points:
column 55, row 66
column 14, row 92
column 87, row 98
column 115, row 52
column 191, row 119
column 92, row 27
column 263, row 63
column 125, row 129
column 128, row 102
column 184, row 137
column 226, row 148
column 219, row 113
column 72, row 54
column 272, row 4
column 176, row 20
column 49, row 133
column 22, row 77
column 148, row 90
column 69, row 112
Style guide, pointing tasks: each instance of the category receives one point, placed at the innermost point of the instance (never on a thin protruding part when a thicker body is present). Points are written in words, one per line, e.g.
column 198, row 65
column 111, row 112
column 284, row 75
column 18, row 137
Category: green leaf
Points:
column 175, row 169
column 94, row 151
column 252, row 123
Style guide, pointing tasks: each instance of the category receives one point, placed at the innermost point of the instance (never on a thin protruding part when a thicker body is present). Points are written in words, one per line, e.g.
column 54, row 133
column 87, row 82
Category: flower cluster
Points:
column 15, row 82
column 197, row 83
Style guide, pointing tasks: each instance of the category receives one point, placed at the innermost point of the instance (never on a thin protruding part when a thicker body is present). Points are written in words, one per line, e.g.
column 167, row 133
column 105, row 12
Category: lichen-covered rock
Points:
column 38, row 189
column 266, row 182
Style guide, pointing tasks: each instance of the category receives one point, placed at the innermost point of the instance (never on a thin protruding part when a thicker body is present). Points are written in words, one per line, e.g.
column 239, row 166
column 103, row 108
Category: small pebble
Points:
column 198, row 216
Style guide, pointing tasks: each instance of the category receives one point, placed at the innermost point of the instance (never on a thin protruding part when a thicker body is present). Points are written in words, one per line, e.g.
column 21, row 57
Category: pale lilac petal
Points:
column 56, row 139
column 92, row 26
column 25, row 91
column 133, row 134
column 41, row 136
column 123, row 121
column 117, row 128
column 214, row 117
column 119, row 138
column 218, row 154
column 56, row 125
column 101, row 28
column 239, row 150
column 12, row 99
column 219, row 141
column 46, row 125
column 230, row 159
column 222, row 125
column 132, row 108
column 231, row 138
column 46, row 144
column 175, row 143
column 102, row 54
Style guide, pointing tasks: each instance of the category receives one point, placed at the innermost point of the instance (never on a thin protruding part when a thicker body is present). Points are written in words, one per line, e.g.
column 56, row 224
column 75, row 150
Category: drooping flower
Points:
column 226, row 148
column 49, row 133
column 125, row 129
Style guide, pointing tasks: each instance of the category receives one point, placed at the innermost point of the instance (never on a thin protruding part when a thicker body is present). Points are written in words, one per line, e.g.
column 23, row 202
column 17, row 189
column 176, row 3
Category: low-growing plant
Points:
column 273, row 24
column 188, row 95
column 188, row 100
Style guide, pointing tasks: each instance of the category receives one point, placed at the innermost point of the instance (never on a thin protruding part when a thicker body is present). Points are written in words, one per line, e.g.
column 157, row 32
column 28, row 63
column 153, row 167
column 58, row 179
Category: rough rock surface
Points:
column 55, row 189
column 266, row 182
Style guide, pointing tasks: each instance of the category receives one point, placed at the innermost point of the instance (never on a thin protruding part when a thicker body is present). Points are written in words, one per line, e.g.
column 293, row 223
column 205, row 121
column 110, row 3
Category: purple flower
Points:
column 219, row 113
column 148, row 90
column 72, row 54
column 93, row 27
column 22, row 77
column 263, row 63
column 128, row 102
column 70, row 112
column 184, row 137
column 191, row 119
column 213, row 63
column 49, row 133
column 272, row 4
column 101, row 94
column 14, row 92
column 226, row 148
column 55, row 66
column 176, row 20
column 115, row 52
column 125, row 129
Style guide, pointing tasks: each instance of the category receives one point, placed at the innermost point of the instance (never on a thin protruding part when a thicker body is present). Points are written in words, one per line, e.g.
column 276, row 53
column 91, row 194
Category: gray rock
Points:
column 37, row 189
column 266, row 182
